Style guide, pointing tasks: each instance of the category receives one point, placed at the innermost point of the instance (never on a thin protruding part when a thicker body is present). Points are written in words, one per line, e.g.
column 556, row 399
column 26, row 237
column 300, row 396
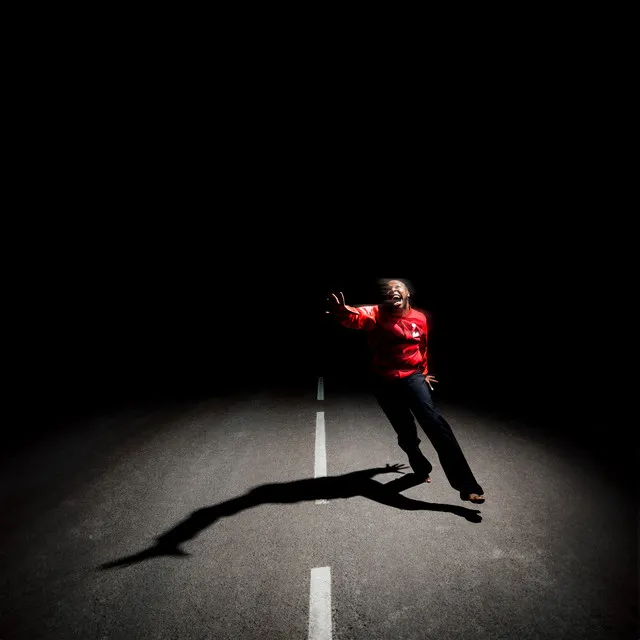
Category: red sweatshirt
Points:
column 398, row 344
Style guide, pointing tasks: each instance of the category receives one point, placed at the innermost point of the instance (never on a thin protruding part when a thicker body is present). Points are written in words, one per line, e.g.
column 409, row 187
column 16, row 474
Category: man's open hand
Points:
column 336, row 304
column 429, row 378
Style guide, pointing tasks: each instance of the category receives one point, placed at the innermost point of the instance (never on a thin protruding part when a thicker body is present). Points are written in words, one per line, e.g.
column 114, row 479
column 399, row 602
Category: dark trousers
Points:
column 403, row 398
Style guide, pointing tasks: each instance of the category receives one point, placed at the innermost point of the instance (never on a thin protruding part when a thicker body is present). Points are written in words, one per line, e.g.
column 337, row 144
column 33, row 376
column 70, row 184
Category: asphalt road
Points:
column 201, row 521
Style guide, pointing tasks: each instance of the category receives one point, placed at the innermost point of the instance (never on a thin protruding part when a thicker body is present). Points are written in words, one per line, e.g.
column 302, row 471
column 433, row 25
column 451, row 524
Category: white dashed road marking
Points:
column 320, row 604
column 321, row 451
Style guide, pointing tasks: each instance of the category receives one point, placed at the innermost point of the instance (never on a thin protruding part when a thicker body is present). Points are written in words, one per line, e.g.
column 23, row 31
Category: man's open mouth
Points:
column 396, row 298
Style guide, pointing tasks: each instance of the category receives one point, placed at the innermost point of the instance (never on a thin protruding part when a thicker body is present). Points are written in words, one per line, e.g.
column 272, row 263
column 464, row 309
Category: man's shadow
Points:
column 348, row 485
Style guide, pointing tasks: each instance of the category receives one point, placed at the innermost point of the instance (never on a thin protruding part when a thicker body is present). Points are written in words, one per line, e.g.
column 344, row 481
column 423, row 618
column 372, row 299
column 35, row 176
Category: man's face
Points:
column 396, row 295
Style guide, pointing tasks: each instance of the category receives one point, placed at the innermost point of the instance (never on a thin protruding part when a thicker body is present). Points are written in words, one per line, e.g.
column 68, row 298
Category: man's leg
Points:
column 454, row 464
column 393, row 405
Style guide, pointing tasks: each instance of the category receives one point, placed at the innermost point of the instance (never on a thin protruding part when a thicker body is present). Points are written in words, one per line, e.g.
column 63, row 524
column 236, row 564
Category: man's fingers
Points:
column 337, row 300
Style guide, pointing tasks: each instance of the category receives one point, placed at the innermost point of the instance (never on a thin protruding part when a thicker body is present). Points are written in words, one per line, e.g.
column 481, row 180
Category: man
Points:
column 397, row 340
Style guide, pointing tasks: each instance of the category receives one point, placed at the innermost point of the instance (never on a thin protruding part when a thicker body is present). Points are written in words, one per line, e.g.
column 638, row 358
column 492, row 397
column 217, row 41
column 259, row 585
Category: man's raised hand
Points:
column 336, row 304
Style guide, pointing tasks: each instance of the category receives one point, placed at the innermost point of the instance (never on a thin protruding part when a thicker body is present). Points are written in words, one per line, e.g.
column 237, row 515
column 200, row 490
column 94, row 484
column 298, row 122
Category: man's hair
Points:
column 382, row 283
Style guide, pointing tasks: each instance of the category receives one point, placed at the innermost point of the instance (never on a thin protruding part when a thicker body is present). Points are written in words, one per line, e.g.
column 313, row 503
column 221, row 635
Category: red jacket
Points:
column 398, row 344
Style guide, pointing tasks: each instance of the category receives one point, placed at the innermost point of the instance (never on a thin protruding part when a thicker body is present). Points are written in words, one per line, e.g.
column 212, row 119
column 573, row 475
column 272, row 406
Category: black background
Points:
column 113, row 313
column 175, row 241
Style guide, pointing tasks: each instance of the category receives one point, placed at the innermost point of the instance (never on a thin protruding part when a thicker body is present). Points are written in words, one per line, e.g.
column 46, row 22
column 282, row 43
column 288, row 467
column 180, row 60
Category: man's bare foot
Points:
column 476, row 498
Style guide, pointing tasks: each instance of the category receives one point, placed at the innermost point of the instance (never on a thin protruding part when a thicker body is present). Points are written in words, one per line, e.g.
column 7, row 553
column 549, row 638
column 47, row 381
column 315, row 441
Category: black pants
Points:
column 403, row 398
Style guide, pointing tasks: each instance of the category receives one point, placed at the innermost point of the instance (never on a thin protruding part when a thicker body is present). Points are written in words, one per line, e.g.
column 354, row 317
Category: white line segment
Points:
column 320, row 388
column 321, row 451
column 320, row 604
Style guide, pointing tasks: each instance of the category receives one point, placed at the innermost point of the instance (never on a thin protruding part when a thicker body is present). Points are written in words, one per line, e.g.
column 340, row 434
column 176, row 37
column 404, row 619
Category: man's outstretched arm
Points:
column 351, row 317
